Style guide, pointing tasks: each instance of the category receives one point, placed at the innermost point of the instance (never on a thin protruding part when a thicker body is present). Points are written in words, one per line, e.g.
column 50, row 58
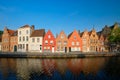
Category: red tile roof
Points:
column 38, row 33
column 11, row 32
column 25, row 26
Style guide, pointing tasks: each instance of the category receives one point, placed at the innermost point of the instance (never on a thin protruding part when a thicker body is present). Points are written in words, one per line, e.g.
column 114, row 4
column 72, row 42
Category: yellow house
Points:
column 93, row 40
column 85, row 40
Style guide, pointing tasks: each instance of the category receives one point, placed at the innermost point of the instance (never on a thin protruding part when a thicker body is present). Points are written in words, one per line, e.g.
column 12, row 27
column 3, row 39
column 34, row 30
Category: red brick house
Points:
column 100, row 43
column 9, row 40
column 61, row 42
column 49, row 42
column 74, row 41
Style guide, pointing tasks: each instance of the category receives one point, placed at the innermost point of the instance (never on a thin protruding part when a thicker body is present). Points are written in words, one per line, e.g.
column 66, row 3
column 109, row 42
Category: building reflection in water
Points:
column 59, row 69
column 26, row 68
column 7, row 69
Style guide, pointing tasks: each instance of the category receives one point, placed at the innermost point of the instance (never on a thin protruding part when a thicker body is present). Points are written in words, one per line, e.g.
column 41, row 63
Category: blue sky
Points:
column 58, row 15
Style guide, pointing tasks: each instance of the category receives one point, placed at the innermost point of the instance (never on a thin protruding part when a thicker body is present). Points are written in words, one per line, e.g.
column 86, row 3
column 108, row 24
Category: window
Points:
column 46, row 42
column 62, row 49
column 44, row 47
column 33, row 39
column 77, row 43
column 93, row 35
column 40, row 47
column 62, row 36
column 19, row 38
column 49, row 36
column 73, row 43
column 58, row 48
column 20, row 46
column 38, row 40
column 74, row 37
column 51, row 42
column 23, row 46
column 20, row 32
column 59, row 42
column 48, row 47
column 26, row 31
column 23, row 38
column 65, row 42
column 5, row 40
column 26, row 38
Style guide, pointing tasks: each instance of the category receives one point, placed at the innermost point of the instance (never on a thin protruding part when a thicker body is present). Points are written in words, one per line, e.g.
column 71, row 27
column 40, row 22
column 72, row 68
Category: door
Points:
column 15, row 48
column 53, row 50
column 26, row 47
column 40, row 48
column 69, row 49
column 65, row 49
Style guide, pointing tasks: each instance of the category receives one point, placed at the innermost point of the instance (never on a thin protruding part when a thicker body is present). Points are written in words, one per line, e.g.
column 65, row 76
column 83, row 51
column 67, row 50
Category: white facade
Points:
column 23, row 38
column 35, row 44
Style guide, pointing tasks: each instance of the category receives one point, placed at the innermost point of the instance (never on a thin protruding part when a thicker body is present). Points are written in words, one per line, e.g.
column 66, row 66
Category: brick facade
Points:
column 61, row 42
column 49, row 42
column 74, row 41
column 9, row 40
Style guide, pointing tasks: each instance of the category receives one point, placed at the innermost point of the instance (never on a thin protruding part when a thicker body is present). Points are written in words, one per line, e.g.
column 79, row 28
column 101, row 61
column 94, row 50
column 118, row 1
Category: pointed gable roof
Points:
column 93, row 30
column 49, row 32
column 38, row 33
column 72, row 33
column 62, row 32
column 84, row 32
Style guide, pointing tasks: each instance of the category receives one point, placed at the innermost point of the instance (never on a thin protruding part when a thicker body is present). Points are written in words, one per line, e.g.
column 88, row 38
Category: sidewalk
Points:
column 55, row 55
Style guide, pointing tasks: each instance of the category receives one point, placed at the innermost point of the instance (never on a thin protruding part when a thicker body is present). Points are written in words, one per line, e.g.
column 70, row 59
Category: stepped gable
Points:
column 38, row 33
column 15, row 33
column 89, row 33
column 11, row 32
column 99, row 33
column 106, row 31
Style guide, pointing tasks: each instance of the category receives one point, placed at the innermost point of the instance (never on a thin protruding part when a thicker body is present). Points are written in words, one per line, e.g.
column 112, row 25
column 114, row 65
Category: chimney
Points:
column 32, row 28
column 78, row 31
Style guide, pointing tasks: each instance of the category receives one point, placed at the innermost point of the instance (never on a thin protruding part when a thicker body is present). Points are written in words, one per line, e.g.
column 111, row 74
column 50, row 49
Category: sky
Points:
column 57, row 15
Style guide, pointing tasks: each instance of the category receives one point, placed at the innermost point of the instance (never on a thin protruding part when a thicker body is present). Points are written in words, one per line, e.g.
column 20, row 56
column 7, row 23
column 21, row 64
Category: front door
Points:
column 69, row 49
column 40, row 48
column 15, row 48
column 65, row 49
column 53, row 50
column 26, row 47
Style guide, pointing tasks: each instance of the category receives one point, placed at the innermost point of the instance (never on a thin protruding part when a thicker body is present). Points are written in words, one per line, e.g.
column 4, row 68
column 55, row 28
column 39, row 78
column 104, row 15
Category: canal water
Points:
column 103, row 68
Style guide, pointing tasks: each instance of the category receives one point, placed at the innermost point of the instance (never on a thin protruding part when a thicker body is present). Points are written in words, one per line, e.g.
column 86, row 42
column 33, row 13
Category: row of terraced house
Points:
column 27, row 39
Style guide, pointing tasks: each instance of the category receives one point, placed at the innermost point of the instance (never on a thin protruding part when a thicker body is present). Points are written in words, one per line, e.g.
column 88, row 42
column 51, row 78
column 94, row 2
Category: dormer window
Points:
column 33, row 39
column 46, row 42
column 26, row 31
column 51, row 42
column 20, row 32
column 49, row 36
column 93, row 35
column 74, row 37
column 62, row 36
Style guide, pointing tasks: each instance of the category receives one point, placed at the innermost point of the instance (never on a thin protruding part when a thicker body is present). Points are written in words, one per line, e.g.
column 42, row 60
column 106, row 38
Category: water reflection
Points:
column 60, row 69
